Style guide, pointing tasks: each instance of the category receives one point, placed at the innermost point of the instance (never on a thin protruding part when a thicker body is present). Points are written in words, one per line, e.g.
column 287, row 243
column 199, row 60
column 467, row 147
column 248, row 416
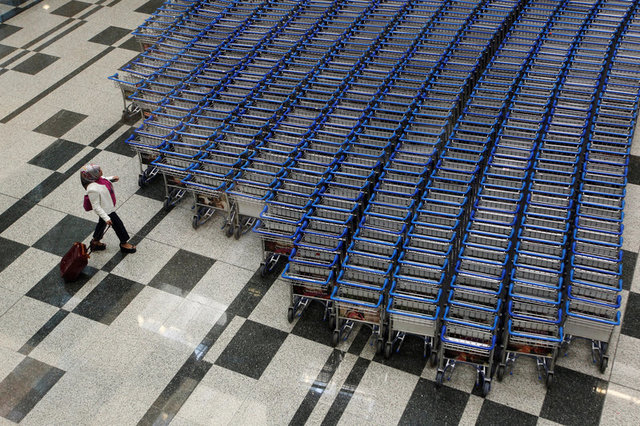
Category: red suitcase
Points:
column 74, row 262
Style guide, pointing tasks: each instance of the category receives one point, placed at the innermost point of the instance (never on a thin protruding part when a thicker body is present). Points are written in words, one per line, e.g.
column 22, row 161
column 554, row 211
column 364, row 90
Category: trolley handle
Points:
column 335, row 297
column 600, row 320
column 616, row 305
column 484, row 327
column 527, row 317
column 538, row 337
column 469, row 345
column 408, row 314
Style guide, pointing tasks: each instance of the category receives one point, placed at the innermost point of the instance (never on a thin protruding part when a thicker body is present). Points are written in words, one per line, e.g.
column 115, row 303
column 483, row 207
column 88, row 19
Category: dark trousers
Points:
column 118, row 226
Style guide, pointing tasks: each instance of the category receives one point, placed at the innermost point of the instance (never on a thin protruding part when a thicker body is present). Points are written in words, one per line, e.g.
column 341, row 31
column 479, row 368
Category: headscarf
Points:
column 89, row 174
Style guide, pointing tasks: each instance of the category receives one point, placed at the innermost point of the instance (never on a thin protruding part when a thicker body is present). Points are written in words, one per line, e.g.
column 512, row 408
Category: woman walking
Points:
column 102, row 200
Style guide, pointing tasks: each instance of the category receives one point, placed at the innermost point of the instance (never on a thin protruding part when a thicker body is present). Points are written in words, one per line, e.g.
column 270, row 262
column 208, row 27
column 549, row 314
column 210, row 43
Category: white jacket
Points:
column 100, row 198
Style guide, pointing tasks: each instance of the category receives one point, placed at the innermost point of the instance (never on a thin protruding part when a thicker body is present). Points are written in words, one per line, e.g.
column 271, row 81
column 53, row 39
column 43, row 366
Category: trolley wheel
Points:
column 500, row 372
column 291, row 313
column 549, row 380
column 427, row 351
column 433, row 358
column 195, row 222
column 388, row 349
column 168, row 204
column 332, row 322
column 486, row 387
column 439, row 378
column 379, row 346
column 335, row 338
column 229, row 231
column 237, row 233
column 142, row 180
column 604, row 362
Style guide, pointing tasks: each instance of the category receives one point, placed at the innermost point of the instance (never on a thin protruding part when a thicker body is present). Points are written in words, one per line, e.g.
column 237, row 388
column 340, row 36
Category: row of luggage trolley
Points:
column 595, row 264
column 474, row 281
column 392, row 279
column 345, row 150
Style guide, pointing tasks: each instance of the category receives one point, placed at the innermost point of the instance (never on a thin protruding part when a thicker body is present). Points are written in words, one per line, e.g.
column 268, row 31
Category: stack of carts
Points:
column 595, row 281
column 377, row 180
column 323, row 187
column 453, row 170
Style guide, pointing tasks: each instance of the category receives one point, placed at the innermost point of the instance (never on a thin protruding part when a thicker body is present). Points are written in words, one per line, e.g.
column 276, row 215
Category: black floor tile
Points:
column 346, row 392
column 212, row 336
column 110, row 35
column 253, row 292
column 36, row 63
column 5, row 50
column 56, row 154
column 574, row 399
column 431, row 406
column 44, row 331
column 179, row 389
column 44, row 188
column 13, row 213
column 119, row 147
column 629, row 260
column 150, row 6
column 10, row 251
column 361, row 339
column 634, row 169
column 6, row 30
column 181, row 273
column 493, row 413
column 60, row 123
column 52, row 289
column 409, row 358
column 61, row 237
column 251, row 349
column 154, row 189
column 312, row 326
column 317, row 388
column 131, row 44
column 110, row 297
column 631, row 321
column 25, row 386
column 71, row 8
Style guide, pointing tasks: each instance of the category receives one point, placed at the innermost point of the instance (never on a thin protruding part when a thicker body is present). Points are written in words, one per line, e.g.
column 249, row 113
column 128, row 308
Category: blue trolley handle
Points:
column 483, row 347
column 600, row 320
column 407, row 314
column 353, row 302
column 532, row 336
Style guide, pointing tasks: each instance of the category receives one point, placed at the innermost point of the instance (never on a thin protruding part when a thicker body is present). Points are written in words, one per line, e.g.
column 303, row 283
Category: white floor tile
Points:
column 33, row 225
column 27, row 270
column 16, row 328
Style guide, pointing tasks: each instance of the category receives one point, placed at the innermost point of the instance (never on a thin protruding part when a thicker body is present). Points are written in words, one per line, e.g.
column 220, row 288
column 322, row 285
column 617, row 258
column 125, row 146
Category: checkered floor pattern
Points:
column 186, row 331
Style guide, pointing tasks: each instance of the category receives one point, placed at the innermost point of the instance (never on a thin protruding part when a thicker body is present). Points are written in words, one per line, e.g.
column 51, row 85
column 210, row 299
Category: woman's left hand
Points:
column 115, row 179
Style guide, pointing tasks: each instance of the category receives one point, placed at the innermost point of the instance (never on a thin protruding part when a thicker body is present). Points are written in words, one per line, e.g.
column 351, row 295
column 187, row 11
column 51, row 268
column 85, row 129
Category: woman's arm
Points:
column 94, row 197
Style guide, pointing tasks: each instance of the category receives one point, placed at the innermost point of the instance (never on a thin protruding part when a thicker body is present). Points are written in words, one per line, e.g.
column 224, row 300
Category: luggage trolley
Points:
column 147, row 141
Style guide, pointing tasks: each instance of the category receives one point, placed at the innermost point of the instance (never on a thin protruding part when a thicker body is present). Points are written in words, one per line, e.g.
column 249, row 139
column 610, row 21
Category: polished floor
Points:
column 186, row 332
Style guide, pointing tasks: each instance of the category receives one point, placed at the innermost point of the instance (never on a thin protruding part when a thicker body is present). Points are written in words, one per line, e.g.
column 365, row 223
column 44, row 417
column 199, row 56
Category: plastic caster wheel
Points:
column 237, row 232
column 433, row 358
column 335, row 337
column 500, row 372
column 168, row 204
column 290, row 314
column 549, row 380
column 195, row 222
column 604, row 362
column 332, row 322
column 439, row 378
column 379, row 346
column 486, row 387
column 142, row 181
column 228, row 232
column 427, row 351
column 388, row 348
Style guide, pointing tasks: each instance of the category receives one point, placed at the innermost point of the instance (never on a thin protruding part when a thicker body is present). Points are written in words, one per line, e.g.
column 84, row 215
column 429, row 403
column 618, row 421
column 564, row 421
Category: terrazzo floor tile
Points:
column 16, row 329
column 620, row 406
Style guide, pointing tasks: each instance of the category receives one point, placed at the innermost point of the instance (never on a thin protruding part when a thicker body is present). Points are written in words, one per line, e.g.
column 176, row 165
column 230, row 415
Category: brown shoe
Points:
column 127, row 248
column 97, row 245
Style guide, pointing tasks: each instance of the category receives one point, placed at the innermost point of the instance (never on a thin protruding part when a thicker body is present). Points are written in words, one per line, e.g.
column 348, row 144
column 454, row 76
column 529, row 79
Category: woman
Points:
column 103, row 202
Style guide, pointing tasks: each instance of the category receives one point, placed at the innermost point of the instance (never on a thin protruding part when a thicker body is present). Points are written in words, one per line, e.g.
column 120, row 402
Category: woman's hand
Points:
column 115, row 179
column 109, row 223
